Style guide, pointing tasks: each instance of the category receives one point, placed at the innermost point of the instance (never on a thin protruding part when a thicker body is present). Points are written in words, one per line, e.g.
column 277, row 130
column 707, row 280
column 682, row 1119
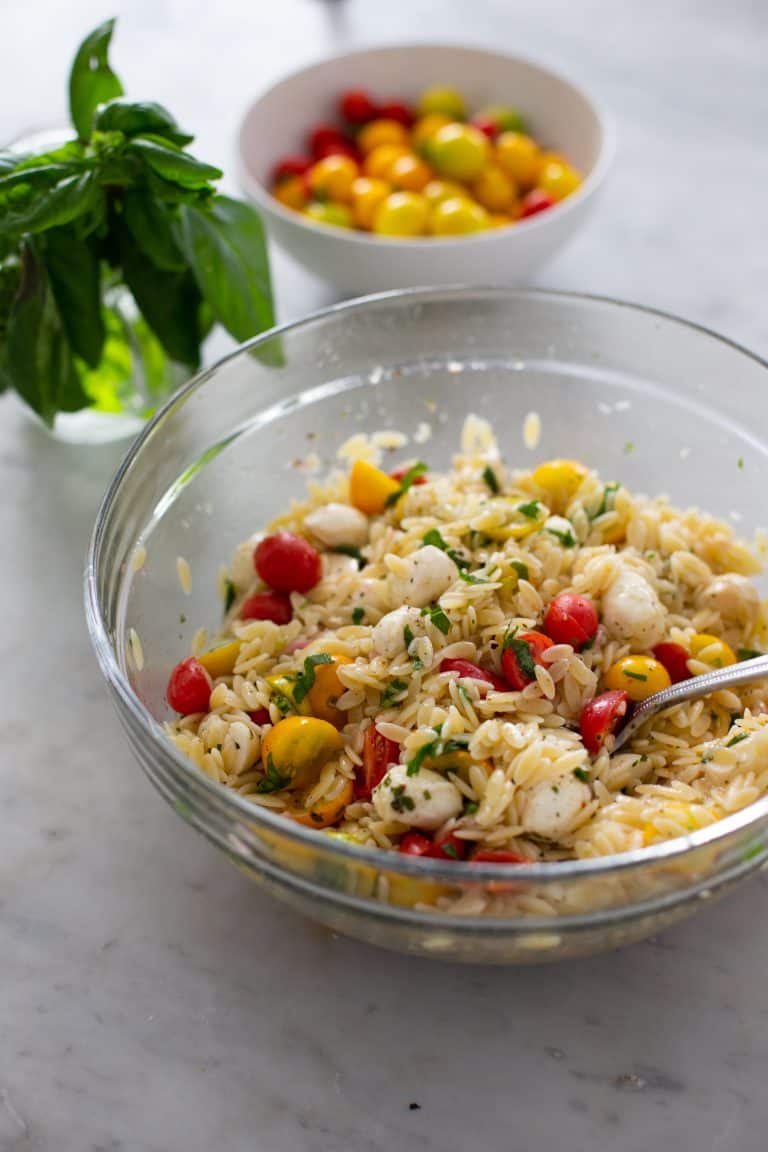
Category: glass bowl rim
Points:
column 239, row 808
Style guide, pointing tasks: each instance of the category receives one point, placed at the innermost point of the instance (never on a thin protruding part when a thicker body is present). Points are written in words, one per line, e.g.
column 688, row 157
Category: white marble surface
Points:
column 151, row 999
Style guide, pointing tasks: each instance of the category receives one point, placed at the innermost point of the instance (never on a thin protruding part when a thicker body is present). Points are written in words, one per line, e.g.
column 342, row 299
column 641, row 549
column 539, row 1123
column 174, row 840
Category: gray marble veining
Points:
column 151, row 999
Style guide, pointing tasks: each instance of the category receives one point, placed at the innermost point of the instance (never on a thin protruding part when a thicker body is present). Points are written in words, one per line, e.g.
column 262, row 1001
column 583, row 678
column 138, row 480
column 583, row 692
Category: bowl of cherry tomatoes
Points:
column 401, row 166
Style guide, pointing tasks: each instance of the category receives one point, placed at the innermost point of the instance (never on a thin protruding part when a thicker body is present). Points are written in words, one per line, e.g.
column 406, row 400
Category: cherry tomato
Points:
column 675, row 659
column 443, row 101
column 290, row 166
column 322, row 135
column 333, row 177
column 189, row 687
column 558, row 179
column 448, row 846
column 402, row 214
column 571, row 619
column 536, row 643
column 274, row 606
column 396, row 110
column 458, row 151
column 399, row 474
column 409, row 174
column 519, row 156
column 357, row 107
column 600, row 718
column 414, row 844
column 260, row 717
column 457, row 217
column 337, row 215
column 287, row 563
column 485, row 125
column 498, row 856
column 470, row 671
column 292, row 191
column 536, row 201
column 378, row 754
column 367, row 195
column 338, row 148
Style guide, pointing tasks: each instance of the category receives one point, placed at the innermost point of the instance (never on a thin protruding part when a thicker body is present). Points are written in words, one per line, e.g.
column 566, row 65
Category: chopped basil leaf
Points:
column 470, row 808
column 413, row 473
column 393, row 692
column 348, row 550
column 608, row 501
column 229, row 595
column 531, row 510
column 581, row 774
column 434, row 538
column 358, row 615
column 417, row 664
column 305, row 681
column 449, row 849
column 566, row 538
column 737, row 739
column 407, row 636
column 282, row 703
column 747, row 653
column 634, row 675
column 415, row 763
column 401, row 802
column 468, row 578
column 491, row 480
column 438, row 618
column 520, row 568
column 522, row 651
column 273, row 780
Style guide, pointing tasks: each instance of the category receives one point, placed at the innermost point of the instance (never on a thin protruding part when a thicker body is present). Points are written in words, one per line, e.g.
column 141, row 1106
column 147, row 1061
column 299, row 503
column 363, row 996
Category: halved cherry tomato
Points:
column 378, row 754
column 287, row 563
column 357, row 107
column 498, row 856
column 470, row 671
column 189, row 687
column 571, row 619
column 414, row 844
column 290, row 166
column 274, row 606
column 600, row 718
column 516, row 675
column 321, row 135
column 448, row 846
column 536, row 201
column 399, row 474
column 260, row 716
column 396, row 110
column 675, row 659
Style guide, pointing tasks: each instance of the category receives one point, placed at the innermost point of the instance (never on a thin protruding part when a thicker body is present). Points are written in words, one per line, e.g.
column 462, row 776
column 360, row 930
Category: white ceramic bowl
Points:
column 560, row 114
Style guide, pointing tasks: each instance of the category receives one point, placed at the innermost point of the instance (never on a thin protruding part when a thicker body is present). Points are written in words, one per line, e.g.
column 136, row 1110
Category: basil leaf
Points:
column 413, row 473
column 72, row 197
column 520, row 568
column 36, row 175
column 306, row 680
column 522, row 651
column 92, row 81
column 531, row 510
column 491, row 480
column 151, row 225
column 224, row 245
column 393, row 693
column 75, row 275
column 274, row 780
column 174, row 166
column 168, row 301
column 38, row 358
column 138, row 119
column 437, row 617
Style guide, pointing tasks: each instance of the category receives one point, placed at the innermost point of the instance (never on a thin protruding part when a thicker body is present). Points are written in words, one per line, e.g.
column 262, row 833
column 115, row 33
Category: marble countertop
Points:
column 151, row 999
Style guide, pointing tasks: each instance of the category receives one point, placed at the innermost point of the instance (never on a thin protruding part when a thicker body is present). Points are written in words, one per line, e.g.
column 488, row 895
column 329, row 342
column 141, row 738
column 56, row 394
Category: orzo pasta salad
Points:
column 436, row 662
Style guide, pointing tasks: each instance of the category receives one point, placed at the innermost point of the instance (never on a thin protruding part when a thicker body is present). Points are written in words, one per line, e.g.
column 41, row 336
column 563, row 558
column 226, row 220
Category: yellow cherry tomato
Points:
column 457, row 217
column 442, row 100
column 402, row 214
column 458, row 151
column 326, row 690
column 409, row 173
column 520, row 157
column 221, row 661
column 367, row 195
column 332, row 178
column 370, row 488
column 425, row 128
column 337, row 215
column 638, row 676
column 558, row 179
column 297, row 749
column 438, row 190
column 291, row 192
column 494, row 189
column 500, row 220
column 327, row 810
column 711, row 650
column 560, row 480
column 378, row 162
column 378, row 132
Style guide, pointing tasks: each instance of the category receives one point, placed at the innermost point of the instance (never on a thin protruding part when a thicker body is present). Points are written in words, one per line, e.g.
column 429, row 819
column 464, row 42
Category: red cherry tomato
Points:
column 357, row 107
column 498, row 856
column 488, row 127
column 338, row 147
column 290, row 166
column 396, row 110
column 675, row 659
column 378, row 754
column 448, row 846
column 274, row 606
column 571, row 619
column 600, row 718
column 189, row 687
column 399, row 473
column 321, row 135
column 516, row 675
column 261, row 716
column 287, row 563
column 414, row 844
column 534, row 202
column 470, row 671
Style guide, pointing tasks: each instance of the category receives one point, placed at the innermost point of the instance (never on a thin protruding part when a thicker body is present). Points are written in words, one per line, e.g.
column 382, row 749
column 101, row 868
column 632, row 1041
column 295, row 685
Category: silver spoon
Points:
column 731, row 677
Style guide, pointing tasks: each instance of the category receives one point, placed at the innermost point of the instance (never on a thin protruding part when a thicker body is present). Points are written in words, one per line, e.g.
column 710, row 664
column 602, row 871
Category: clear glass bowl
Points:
column 657, row 403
